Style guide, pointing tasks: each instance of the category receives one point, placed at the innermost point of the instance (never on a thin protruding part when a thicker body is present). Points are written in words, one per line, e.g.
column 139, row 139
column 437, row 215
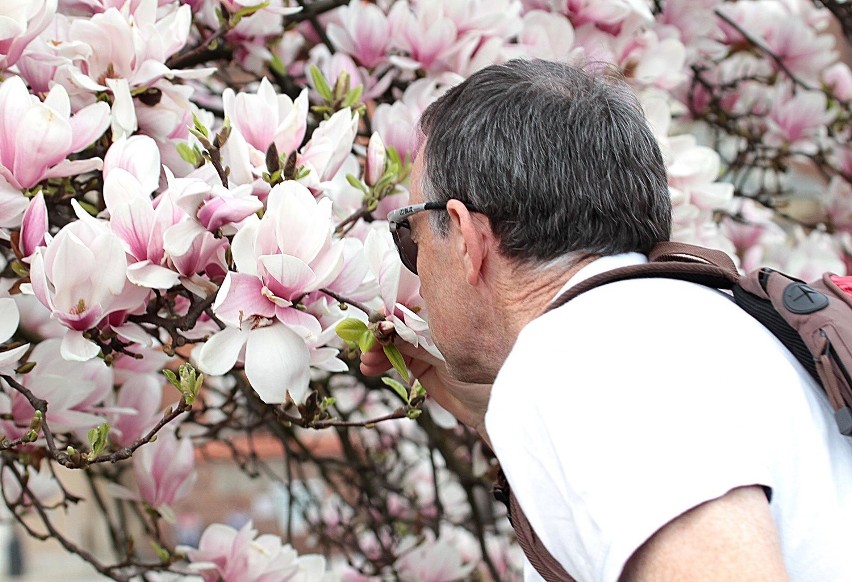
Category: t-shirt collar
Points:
column 602, row 264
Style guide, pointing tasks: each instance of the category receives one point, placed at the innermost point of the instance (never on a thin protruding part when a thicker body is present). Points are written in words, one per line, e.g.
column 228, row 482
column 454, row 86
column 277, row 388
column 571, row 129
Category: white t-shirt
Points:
column 642, row 399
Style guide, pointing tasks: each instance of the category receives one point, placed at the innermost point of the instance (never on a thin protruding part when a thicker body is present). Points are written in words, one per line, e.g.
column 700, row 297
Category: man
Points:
column 650, row 429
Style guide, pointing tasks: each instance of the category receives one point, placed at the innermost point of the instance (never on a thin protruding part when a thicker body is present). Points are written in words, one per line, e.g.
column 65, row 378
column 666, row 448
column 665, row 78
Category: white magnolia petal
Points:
column 277, row 361
column 9, row 318
column 220, row 353
column 10, row 358
column 146, row 274
column 134, row 332
column 77, row 348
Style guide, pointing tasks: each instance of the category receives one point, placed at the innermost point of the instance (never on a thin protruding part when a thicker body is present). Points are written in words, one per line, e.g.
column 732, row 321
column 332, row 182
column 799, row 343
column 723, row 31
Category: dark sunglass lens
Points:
column 406, row 246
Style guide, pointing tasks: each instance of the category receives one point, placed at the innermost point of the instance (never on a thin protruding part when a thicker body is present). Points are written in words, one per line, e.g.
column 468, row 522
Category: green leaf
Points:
column 200, row 127
column 277, row 65
column 247, row 11
column 189, row 154
column 98, row 440
column 397, row 387
column 161, row 552
column 356, row 183
column 353, row 96
column 395, row 357
column 320, row 84
column 366, row 341
column 413, row 413
column 351, row 329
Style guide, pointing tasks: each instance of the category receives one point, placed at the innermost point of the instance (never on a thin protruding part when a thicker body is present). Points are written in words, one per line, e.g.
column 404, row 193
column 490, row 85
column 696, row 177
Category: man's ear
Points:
column 473, row 240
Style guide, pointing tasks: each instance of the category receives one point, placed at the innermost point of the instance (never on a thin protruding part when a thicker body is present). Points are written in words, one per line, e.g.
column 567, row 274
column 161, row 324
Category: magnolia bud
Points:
column 376, row 155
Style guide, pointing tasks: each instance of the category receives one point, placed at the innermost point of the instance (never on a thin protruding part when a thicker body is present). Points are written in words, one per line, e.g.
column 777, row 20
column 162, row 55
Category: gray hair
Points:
column 560, row 159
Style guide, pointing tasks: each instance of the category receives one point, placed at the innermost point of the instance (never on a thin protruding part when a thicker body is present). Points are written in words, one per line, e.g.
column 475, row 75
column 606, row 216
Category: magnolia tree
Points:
column 193, row 201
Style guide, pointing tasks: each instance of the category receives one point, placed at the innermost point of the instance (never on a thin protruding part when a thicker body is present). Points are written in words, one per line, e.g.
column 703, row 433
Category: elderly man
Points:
column 649, row 429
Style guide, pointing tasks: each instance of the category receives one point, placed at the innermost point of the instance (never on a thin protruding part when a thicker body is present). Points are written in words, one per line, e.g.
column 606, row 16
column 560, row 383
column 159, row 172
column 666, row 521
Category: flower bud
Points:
column 376, row 155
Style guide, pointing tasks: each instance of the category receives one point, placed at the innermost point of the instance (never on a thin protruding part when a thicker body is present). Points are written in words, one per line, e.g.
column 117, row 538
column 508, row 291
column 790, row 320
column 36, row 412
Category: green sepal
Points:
column 396, row 359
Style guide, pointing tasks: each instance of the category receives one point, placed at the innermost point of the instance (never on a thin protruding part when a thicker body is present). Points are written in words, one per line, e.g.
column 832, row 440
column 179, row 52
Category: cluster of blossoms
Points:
column 208, row 182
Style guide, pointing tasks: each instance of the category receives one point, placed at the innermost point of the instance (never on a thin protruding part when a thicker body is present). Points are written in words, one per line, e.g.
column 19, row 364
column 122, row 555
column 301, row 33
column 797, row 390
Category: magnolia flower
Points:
column 75, row 391
column 266, row 118
column 139, row 400
column 329, row 146
column 38, row 136
column 149, row 38
column 396, row 122
column 363, row 33
column 798, row 121
column 20, row 22
column 164, row 470
column 33, row 226
column 547, row 35
column 82, row 288
column 227, row 555
column 435, row 560
column 399, row 290
column 280, row 259
column 427, row 35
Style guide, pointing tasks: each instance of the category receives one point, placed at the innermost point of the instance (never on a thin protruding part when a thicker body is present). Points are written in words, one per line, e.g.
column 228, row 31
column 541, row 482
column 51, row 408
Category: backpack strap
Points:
column 667, row 260
column 538, row 555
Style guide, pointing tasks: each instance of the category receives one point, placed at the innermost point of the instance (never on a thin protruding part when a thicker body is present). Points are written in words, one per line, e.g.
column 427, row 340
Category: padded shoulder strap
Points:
column 667, row 260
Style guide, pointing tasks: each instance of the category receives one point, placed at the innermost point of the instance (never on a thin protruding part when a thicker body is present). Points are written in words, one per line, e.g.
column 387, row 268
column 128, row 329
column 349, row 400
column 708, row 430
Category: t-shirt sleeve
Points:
column 609, row 432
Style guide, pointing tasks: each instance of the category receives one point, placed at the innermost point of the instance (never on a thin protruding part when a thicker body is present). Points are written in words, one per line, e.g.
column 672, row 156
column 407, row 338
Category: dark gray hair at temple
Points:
column 560, row 159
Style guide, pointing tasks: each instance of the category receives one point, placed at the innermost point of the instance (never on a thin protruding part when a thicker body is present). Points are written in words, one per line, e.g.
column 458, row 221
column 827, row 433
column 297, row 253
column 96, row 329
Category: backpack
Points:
column 812, row 320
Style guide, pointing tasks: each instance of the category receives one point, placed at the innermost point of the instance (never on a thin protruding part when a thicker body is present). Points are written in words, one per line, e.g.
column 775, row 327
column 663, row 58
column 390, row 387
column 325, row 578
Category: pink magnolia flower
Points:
column 227, row 555
column 279, row 259
column 363, row 33
column 425, row 33
column 266, row 118
column 140, row 402
column 606, row 12
column 165, row 470
column 20, row 22
column 74, row 391
column 396, row 122
column 546, row 35
column 34, row 226
column 328, row 147
column 38, row 136
column 374, row 165
column 839, row 78
column 399, row 291
column 42, row 484
column 798, row 121
column 131, row 171
column 434, row 560
column 334, row 65
column 80, row 287
column 149, row 39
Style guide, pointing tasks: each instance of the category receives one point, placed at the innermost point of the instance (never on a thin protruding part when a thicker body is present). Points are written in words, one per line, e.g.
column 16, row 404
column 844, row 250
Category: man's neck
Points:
column 523, row 293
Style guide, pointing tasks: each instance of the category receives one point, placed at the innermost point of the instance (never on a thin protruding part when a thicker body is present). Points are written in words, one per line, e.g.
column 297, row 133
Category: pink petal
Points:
column 34, row 225
column 240, row 297
column 220, row 353
column 88, row 124
column 43, row 140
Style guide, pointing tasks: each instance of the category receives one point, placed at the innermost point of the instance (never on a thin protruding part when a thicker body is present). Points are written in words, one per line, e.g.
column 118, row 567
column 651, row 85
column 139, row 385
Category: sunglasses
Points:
column 401, row 230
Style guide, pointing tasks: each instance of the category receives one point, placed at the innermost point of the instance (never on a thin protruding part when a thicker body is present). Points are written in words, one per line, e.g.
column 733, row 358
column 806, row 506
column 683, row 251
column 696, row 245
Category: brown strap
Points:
column 538, row 555
column 719, row 277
